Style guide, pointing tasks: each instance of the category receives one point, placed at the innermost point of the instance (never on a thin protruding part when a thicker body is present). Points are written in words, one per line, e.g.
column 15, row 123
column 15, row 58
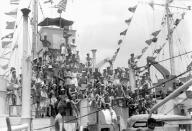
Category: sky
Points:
column 99, row 23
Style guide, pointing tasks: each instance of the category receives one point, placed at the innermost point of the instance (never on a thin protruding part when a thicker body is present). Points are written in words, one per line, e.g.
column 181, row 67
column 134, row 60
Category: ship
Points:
column 83, row 114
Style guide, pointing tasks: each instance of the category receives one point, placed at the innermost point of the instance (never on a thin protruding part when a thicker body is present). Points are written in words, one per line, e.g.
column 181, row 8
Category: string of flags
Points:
column 6, row 40
column 10, row 25
column 123, row 33
column 154, row 34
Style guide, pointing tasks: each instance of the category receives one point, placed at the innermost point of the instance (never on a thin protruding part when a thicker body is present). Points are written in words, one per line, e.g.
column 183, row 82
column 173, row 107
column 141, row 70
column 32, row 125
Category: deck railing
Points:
column 22, row 127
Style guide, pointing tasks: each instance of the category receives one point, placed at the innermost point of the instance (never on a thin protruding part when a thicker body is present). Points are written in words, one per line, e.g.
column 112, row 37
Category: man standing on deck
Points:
column 59, row 120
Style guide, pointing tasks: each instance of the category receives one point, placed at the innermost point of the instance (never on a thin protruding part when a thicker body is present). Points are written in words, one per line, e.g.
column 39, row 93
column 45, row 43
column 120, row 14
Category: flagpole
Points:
column 60, row 12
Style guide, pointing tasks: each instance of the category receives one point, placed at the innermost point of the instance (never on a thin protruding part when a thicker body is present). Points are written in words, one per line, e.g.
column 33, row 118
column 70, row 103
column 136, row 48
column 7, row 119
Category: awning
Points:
column 60, row 22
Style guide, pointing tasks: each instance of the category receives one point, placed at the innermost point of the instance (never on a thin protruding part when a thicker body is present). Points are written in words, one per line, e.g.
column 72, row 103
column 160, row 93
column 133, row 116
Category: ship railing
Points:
column 23, row 127
column 20, row 127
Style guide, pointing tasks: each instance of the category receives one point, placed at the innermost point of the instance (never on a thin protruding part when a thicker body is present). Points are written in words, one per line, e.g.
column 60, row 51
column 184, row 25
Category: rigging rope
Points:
column 41, row 10
column 166, row 59
column 168, row 80
column 29, row 4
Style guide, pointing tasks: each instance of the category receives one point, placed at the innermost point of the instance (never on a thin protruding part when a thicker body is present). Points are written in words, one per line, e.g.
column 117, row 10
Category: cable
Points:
column 175, row 56
column 167, row 59
column 29, row 4
column 169, row 80
column 41, row 10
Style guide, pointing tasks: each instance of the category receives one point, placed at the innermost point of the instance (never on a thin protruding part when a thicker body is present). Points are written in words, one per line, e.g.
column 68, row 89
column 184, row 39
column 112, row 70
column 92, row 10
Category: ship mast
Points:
column 34, row 27
column 170, row 38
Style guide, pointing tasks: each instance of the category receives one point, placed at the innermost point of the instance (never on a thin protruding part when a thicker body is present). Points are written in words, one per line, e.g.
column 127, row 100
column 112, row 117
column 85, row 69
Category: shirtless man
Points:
column 46, row 44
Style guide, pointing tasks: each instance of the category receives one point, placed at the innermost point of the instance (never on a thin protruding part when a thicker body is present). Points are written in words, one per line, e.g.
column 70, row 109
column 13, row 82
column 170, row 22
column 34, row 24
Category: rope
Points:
column 169, row 80
column 167, row 59
column 29, row 4
column 41, row 9
column 175, row 56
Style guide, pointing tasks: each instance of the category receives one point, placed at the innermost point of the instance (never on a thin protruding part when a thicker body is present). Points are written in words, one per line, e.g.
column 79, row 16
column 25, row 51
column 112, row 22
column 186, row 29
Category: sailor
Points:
column 46, row 44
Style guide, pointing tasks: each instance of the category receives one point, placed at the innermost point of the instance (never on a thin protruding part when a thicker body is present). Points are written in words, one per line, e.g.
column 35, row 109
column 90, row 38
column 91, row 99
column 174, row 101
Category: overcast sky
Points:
column 99, row 22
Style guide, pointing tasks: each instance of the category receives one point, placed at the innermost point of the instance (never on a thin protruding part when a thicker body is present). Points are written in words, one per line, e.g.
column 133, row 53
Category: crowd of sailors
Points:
column 58, row 77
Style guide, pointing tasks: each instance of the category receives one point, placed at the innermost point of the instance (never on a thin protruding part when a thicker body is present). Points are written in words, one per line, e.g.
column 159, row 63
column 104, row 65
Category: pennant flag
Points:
column 15, row 46
column 128, row 21
column 48, row 1
column 14, row 2
column 148, row 41
column 118, row 50
column 5, row 67
column 183, row 15
column 120, row 41
column 132, row 9
column 124, row 32
column 156, row 33
column 170, row 1
column 151, row 4
column 144, row 49
column 163, row 20
column 139, row 57
column 189, row 7
column 10, row 35
column 177, row 21
column 12, row 13
column 157, row 51
column 4, row 44
column 154, row 39
column 61, row 6
column 10, row 25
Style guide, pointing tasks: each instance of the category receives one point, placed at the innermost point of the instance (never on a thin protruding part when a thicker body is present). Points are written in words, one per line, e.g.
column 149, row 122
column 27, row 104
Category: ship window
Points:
column 144, row 124
column 105, row 129
column 85, row 129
